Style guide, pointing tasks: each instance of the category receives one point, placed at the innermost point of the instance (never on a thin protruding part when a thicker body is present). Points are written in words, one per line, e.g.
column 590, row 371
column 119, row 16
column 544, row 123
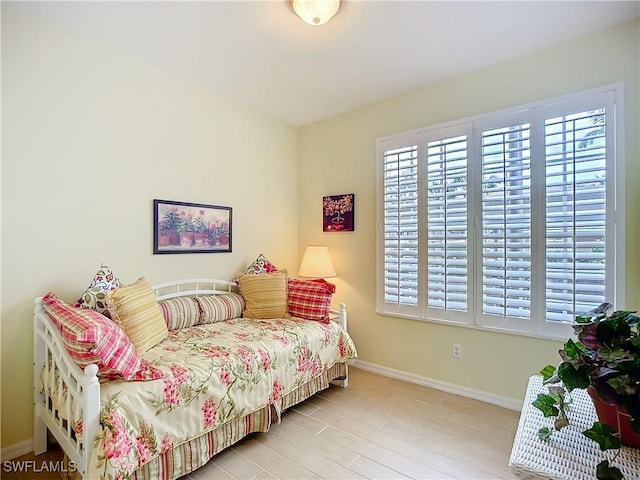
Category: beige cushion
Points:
column 218, row 308
column 136, row 309
column 180, row 312
column 265, row 295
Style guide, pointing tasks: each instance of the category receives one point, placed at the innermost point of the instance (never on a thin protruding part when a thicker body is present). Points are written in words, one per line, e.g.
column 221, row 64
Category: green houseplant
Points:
column 605, row 360
column 168, row 226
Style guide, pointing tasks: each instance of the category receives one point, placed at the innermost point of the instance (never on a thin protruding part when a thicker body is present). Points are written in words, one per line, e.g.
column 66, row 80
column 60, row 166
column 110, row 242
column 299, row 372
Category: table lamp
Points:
column 316, row 262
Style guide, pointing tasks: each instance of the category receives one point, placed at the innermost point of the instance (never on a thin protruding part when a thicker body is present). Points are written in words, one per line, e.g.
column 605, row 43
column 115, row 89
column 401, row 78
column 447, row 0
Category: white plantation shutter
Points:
column 447, row 230
column 506, row 221
column 576, row 170
column 509, row 221
column 400, row 219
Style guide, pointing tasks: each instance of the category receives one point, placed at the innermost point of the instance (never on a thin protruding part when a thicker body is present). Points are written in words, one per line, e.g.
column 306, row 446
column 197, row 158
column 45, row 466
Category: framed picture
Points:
column 337, row 213
column 181, row 227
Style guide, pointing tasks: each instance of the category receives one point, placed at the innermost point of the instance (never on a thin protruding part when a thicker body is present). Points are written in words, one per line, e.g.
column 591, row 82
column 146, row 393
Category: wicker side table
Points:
column 567, row 455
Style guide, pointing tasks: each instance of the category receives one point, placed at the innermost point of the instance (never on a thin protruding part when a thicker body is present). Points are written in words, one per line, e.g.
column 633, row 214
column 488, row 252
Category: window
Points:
column 504, row 221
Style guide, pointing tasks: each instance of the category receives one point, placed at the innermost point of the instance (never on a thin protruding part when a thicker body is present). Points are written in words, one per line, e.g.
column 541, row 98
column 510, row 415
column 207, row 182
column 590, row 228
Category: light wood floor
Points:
column 377, row 428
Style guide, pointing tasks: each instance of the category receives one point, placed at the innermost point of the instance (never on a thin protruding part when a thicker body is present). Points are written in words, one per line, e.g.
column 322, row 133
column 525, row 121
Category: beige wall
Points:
column 338, row 156
column 89, row 139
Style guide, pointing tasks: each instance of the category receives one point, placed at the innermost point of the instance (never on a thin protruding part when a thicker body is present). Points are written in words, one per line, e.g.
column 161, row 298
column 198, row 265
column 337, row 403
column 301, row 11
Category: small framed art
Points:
column 182, row 227
column 338, row 213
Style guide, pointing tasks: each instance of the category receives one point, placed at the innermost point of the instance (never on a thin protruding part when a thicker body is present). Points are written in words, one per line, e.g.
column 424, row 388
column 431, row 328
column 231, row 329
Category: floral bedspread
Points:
column 212, row 374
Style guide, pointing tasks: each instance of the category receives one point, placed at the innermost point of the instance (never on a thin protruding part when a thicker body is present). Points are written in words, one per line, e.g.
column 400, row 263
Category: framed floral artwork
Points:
column 181, row 227
column 338, row 213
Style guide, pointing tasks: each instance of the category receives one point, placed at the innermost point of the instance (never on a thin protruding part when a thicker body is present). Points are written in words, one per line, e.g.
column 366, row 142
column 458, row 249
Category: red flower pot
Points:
column 617, row 417
column 174, row 238
column 164, row 240
column 198, row 239
column 186, row 239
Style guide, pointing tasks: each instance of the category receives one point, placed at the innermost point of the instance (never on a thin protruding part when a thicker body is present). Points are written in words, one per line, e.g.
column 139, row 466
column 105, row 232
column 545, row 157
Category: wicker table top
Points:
column 567, row 455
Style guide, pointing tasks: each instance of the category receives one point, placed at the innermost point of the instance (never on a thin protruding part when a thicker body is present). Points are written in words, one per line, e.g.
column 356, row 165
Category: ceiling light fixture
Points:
column 316, row 12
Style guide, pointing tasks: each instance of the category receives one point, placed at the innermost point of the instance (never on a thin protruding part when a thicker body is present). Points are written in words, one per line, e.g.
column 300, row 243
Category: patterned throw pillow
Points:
column 95, row 295
column 218, row 308
column 180, row 312
column 265, row 295
column 136, row 309
column 90, row 337
column 310, row 299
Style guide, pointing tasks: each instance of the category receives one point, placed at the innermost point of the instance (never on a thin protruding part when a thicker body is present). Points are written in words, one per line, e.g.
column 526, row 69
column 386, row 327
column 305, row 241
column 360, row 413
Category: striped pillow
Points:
column 90, row 337
column 136, row 309
column 218, row 308
column 265, row 295
column 310, row 299
column 180, row 312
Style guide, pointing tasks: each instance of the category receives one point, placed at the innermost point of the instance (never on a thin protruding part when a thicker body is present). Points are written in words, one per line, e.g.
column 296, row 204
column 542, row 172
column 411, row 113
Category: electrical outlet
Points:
column 457, row 350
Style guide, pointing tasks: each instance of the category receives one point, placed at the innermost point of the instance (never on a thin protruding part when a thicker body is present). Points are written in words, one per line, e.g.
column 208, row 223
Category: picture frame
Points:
column 338, row 213
column 184, row 227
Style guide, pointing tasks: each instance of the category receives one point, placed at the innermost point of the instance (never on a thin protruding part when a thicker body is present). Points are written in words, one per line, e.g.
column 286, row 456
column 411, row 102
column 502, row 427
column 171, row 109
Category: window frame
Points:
column 609, row 96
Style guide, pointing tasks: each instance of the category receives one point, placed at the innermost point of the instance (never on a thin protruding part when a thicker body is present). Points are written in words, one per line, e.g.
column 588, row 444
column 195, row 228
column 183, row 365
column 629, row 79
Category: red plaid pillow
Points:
column 310, row 299
column 93, row 338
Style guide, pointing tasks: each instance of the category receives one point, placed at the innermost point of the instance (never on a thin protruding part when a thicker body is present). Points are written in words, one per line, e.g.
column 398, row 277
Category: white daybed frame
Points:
column 51, row 357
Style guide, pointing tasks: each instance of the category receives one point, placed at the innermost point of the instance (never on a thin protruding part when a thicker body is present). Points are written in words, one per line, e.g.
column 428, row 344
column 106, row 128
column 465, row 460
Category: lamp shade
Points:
column 315, row 12
column 316, row 262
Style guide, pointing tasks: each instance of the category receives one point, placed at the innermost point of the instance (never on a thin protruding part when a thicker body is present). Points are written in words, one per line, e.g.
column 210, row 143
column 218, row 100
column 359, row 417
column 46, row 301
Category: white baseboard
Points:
column 17, row 449
column 487, row 397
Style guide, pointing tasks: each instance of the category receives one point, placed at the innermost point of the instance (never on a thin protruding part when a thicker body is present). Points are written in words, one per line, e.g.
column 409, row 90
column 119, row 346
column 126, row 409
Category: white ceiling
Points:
column 260, row 54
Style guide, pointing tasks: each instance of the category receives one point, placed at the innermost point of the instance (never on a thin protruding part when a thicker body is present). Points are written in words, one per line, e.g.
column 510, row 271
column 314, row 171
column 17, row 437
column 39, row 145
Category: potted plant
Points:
column 164, row 238
column 186, row 229
column 604, row 360
column 200, row 228
column 170, row 224
column 224, row 233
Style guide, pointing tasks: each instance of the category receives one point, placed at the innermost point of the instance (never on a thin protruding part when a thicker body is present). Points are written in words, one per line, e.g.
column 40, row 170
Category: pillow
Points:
column 310, row 299
column 218, row 308
column 136, row 309
column 180, row 312
column 90, row 337
column 265, row 295
column 260, row 266
column 94, row 297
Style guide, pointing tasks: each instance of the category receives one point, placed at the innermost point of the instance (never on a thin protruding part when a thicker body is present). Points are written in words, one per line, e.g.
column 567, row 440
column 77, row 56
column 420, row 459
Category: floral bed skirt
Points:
column 195, row 453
